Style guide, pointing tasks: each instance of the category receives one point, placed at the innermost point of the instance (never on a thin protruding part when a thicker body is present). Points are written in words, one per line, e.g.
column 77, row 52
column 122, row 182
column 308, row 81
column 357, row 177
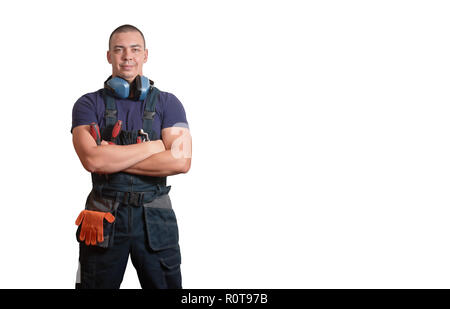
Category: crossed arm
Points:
column 169, row 156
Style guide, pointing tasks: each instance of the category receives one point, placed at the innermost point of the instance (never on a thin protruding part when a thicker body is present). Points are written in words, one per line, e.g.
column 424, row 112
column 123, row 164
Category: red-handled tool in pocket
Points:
column 95, row 132
column 115, row 132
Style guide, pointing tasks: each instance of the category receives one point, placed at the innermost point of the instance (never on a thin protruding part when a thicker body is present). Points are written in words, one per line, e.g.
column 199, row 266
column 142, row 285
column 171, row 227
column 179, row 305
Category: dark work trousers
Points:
column 149, row 234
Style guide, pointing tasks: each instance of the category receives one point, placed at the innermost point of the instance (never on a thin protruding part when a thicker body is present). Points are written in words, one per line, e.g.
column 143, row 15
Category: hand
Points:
column 157, row 146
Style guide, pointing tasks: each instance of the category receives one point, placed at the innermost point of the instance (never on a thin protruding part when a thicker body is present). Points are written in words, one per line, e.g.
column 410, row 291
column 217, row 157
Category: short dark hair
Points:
column 125, row 28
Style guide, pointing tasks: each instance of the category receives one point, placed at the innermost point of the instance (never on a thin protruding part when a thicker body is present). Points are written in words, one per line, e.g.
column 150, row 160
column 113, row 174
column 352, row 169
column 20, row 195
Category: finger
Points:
column 93, row 240
column 80, row 218
column 92, row 237
column 82, row 234
column 88, row 237
column 99, row 232
column 100, row 235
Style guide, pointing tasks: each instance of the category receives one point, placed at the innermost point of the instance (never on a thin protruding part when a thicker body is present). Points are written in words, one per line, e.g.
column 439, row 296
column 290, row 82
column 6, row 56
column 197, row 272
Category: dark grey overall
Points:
column 145, row 225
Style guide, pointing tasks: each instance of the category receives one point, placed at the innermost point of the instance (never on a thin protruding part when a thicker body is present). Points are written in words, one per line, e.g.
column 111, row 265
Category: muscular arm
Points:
column 175, row 160
column 109, row 158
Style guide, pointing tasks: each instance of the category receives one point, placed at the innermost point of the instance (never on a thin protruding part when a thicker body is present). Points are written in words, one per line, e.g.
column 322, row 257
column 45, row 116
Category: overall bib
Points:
column 145, row 225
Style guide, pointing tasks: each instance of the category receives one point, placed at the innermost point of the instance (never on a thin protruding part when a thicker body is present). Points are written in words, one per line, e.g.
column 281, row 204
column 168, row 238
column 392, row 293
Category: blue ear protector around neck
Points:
column 121, row 89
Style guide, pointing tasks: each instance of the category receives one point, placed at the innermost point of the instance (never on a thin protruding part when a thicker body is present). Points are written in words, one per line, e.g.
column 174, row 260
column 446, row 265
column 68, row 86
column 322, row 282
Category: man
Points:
column 130, row 136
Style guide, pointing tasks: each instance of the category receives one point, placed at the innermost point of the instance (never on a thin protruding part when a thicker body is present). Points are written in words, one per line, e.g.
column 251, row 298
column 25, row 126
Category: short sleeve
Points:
column 174, row 114
column 83, row 112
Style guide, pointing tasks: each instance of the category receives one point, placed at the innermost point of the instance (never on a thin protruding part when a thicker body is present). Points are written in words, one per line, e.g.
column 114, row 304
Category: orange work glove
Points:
column 92, row 227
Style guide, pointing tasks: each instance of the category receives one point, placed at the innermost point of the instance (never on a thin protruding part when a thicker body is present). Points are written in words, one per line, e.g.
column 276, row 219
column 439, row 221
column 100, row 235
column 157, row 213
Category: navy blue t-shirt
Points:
column 91, row 108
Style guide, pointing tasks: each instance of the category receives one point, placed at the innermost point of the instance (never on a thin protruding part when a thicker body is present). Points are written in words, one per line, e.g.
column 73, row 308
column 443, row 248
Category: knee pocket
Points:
column 171, row 268
column 171, row 263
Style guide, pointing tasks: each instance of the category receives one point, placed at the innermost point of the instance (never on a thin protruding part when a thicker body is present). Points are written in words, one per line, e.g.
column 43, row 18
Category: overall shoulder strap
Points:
column 110, row 110
column 150, row 111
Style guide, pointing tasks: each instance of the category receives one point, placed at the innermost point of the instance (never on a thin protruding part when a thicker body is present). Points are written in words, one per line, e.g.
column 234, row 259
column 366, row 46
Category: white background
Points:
column 320, row 138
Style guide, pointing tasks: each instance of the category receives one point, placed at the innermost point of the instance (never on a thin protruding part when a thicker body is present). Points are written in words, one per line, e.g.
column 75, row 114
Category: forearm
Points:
column 114, row 158
column 107, row 158
column 160, row 164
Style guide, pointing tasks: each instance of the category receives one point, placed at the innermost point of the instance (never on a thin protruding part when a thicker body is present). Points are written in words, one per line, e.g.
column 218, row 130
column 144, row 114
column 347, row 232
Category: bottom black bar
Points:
column 229, row 298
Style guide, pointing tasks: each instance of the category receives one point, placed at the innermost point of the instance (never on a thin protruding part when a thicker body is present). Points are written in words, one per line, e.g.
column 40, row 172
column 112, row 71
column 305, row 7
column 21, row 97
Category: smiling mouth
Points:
column 127, row 65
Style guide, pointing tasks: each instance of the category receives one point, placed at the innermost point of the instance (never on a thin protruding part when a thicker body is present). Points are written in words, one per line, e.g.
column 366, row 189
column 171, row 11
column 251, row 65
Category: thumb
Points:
column 109, row 217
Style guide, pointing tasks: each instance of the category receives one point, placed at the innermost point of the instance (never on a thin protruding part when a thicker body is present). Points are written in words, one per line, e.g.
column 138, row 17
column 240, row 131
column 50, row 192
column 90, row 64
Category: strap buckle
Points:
column 133, row 198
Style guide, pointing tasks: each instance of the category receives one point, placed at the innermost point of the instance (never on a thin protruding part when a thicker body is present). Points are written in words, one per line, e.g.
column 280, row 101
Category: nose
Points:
column 126, row 55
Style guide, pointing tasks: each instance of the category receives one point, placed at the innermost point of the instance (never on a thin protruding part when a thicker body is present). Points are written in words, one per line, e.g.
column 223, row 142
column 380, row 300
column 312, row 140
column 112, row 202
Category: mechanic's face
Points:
column 127, row 55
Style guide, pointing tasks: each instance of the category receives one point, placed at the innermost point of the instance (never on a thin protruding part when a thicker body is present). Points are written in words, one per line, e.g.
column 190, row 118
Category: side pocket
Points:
column 172, row 271
column 161, row 224
column 104, row 205
column 171, row 263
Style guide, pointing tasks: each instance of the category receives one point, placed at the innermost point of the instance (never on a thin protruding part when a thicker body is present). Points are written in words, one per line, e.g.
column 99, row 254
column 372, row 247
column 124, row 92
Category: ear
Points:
column 145, row 55
column 108, row 57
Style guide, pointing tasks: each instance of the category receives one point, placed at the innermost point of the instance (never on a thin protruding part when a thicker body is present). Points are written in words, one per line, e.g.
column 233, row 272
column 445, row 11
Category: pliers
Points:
column 144, row 137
